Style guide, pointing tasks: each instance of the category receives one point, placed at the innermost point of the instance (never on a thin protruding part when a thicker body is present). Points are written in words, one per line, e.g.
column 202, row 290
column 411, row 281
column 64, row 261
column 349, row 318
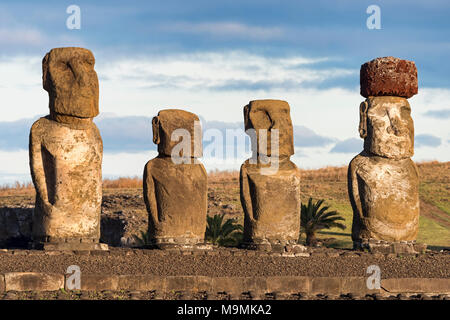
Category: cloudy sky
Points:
column 211, row 58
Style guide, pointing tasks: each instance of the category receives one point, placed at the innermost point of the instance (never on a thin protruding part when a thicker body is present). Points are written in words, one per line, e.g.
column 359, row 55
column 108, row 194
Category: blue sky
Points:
column 212, row 57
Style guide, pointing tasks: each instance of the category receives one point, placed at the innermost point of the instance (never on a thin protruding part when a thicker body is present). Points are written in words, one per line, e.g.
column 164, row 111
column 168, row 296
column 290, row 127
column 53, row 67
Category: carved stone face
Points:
column 170, row 127
column 71, row 82
column 266, row 115
column 387, row 127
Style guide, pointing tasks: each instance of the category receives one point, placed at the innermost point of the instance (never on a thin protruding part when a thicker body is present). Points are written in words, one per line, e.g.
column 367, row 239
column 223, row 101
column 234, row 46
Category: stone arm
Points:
column 416, row 169
column 150, row 195
column 99, row 141
column 246, row 198
column 353, row 193
column 205, row 174
column 37, row 164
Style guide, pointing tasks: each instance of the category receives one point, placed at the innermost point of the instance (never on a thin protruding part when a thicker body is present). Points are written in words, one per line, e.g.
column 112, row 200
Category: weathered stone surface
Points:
column 238, row 285
column 270, row 190
column 356, row 285
column 33, row 281
column 231, row 286
column 415, row 285
column 288, row 284
column 99, row 282
column 382, row 180
column 385, row 198
column 71, row 82
column 180, row 283
column 264, row 116
column 66, row 152
column 141, row 282
column 175, row 193
column 387, row 127
column 169, row 128
column 325, row 285
column 388, row 76
column 271, row 203
column 2, row 283
column 77, row 246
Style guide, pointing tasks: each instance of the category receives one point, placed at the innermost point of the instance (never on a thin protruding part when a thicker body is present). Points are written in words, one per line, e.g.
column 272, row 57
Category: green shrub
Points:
column 218, row 232
column 314, row 218
column 143, row 240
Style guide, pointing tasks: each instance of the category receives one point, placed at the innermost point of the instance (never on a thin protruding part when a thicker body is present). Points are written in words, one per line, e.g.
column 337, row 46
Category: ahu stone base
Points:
column 68, row 246
column 178, row 244
column 385, row 247
column 288, row 247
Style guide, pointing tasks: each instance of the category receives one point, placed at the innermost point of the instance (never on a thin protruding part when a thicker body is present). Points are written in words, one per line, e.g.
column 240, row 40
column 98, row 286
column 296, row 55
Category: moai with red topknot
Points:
column 383, row 181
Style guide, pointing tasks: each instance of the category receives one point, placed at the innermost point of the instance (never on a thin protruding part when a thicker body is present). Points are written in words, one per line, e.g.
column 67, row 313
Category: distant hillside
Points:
column 331, row 184
column 328, row 183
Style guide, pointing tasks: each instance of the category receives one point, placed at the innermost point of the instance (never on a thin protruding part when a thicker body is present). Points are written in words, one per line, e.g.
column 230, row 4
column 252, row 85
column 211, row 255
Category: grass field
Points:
column 329, row 184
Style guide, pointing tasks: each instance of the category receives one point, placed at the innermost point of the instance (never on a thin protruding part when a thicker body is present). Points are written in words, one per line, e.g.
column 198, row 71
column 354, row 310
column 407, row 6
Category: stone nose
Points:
column 397, row 126
column 81, row 76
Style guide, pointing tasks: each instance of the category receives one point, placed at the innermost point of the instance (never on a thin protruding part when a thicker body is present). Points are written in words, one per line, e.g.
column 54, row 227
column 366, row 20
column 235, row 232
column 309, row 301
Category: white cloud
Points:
column 21, row 37
column 225, row 29
column 216, row 85
column 203, row 83
column 216, row 70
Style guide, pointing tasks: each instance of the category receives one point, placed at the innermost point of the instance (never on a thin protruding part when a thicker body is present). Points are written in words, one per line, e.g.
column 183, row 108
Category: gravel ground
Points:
column 228, row 263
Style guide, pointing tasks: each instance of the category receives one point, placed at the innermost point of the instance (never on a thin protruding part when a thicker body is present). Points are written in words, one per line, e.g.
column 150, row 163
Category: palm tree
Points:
column 143, row 240
column 314, row 218
column 221, row 233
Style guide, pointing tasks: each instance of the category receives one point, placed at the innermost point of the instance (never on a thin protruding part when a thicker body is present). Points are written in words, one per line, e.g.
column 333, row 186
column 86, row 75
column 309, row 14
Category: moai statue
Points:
column 66, row 155
column 175, row 183
column 269, row 181
column 383, row 180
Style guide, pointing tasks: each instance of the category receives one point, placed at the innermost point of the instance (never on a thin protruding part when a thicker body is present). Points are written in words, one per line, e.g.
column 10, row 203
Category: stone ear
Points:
column 155, row 127
column 363, row 119
column 246, row 117
column 45, row 78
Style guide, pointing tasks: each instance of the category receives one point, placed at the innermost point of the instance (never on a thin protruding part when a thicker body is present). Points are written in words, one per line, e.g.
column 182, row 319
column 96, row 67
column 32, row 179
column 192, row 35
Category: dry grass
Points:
column 432, row 171
column 17, row 189
column 328, row 183
column 123, row 183
column 222, row 176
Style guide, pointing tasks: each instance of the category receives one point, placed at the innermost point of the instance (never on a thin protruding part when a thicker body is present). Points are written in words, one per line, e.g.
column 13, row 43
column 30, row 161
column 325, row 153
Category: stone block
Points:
column 286, row 284
column 416, row 285
column 98, row 282
column 33, row 281
column 325, row 285
column 141, row 282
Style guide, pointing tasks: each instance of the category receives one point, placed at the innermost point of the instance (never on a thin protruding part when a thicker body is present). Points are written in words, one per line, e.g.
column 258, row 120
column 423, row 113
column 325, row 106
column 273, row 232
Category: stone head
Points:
column 387, row 127
column 171, row 126
column 264, row 116
column 69, row 77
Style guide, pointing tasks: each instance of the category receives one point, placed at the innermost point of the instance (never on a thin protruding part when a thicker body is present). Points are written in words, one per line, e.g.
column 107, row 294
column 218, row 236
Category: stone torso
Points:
column 176, row 198
column 275, row 203
column 72, row 167
column 385, row 198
